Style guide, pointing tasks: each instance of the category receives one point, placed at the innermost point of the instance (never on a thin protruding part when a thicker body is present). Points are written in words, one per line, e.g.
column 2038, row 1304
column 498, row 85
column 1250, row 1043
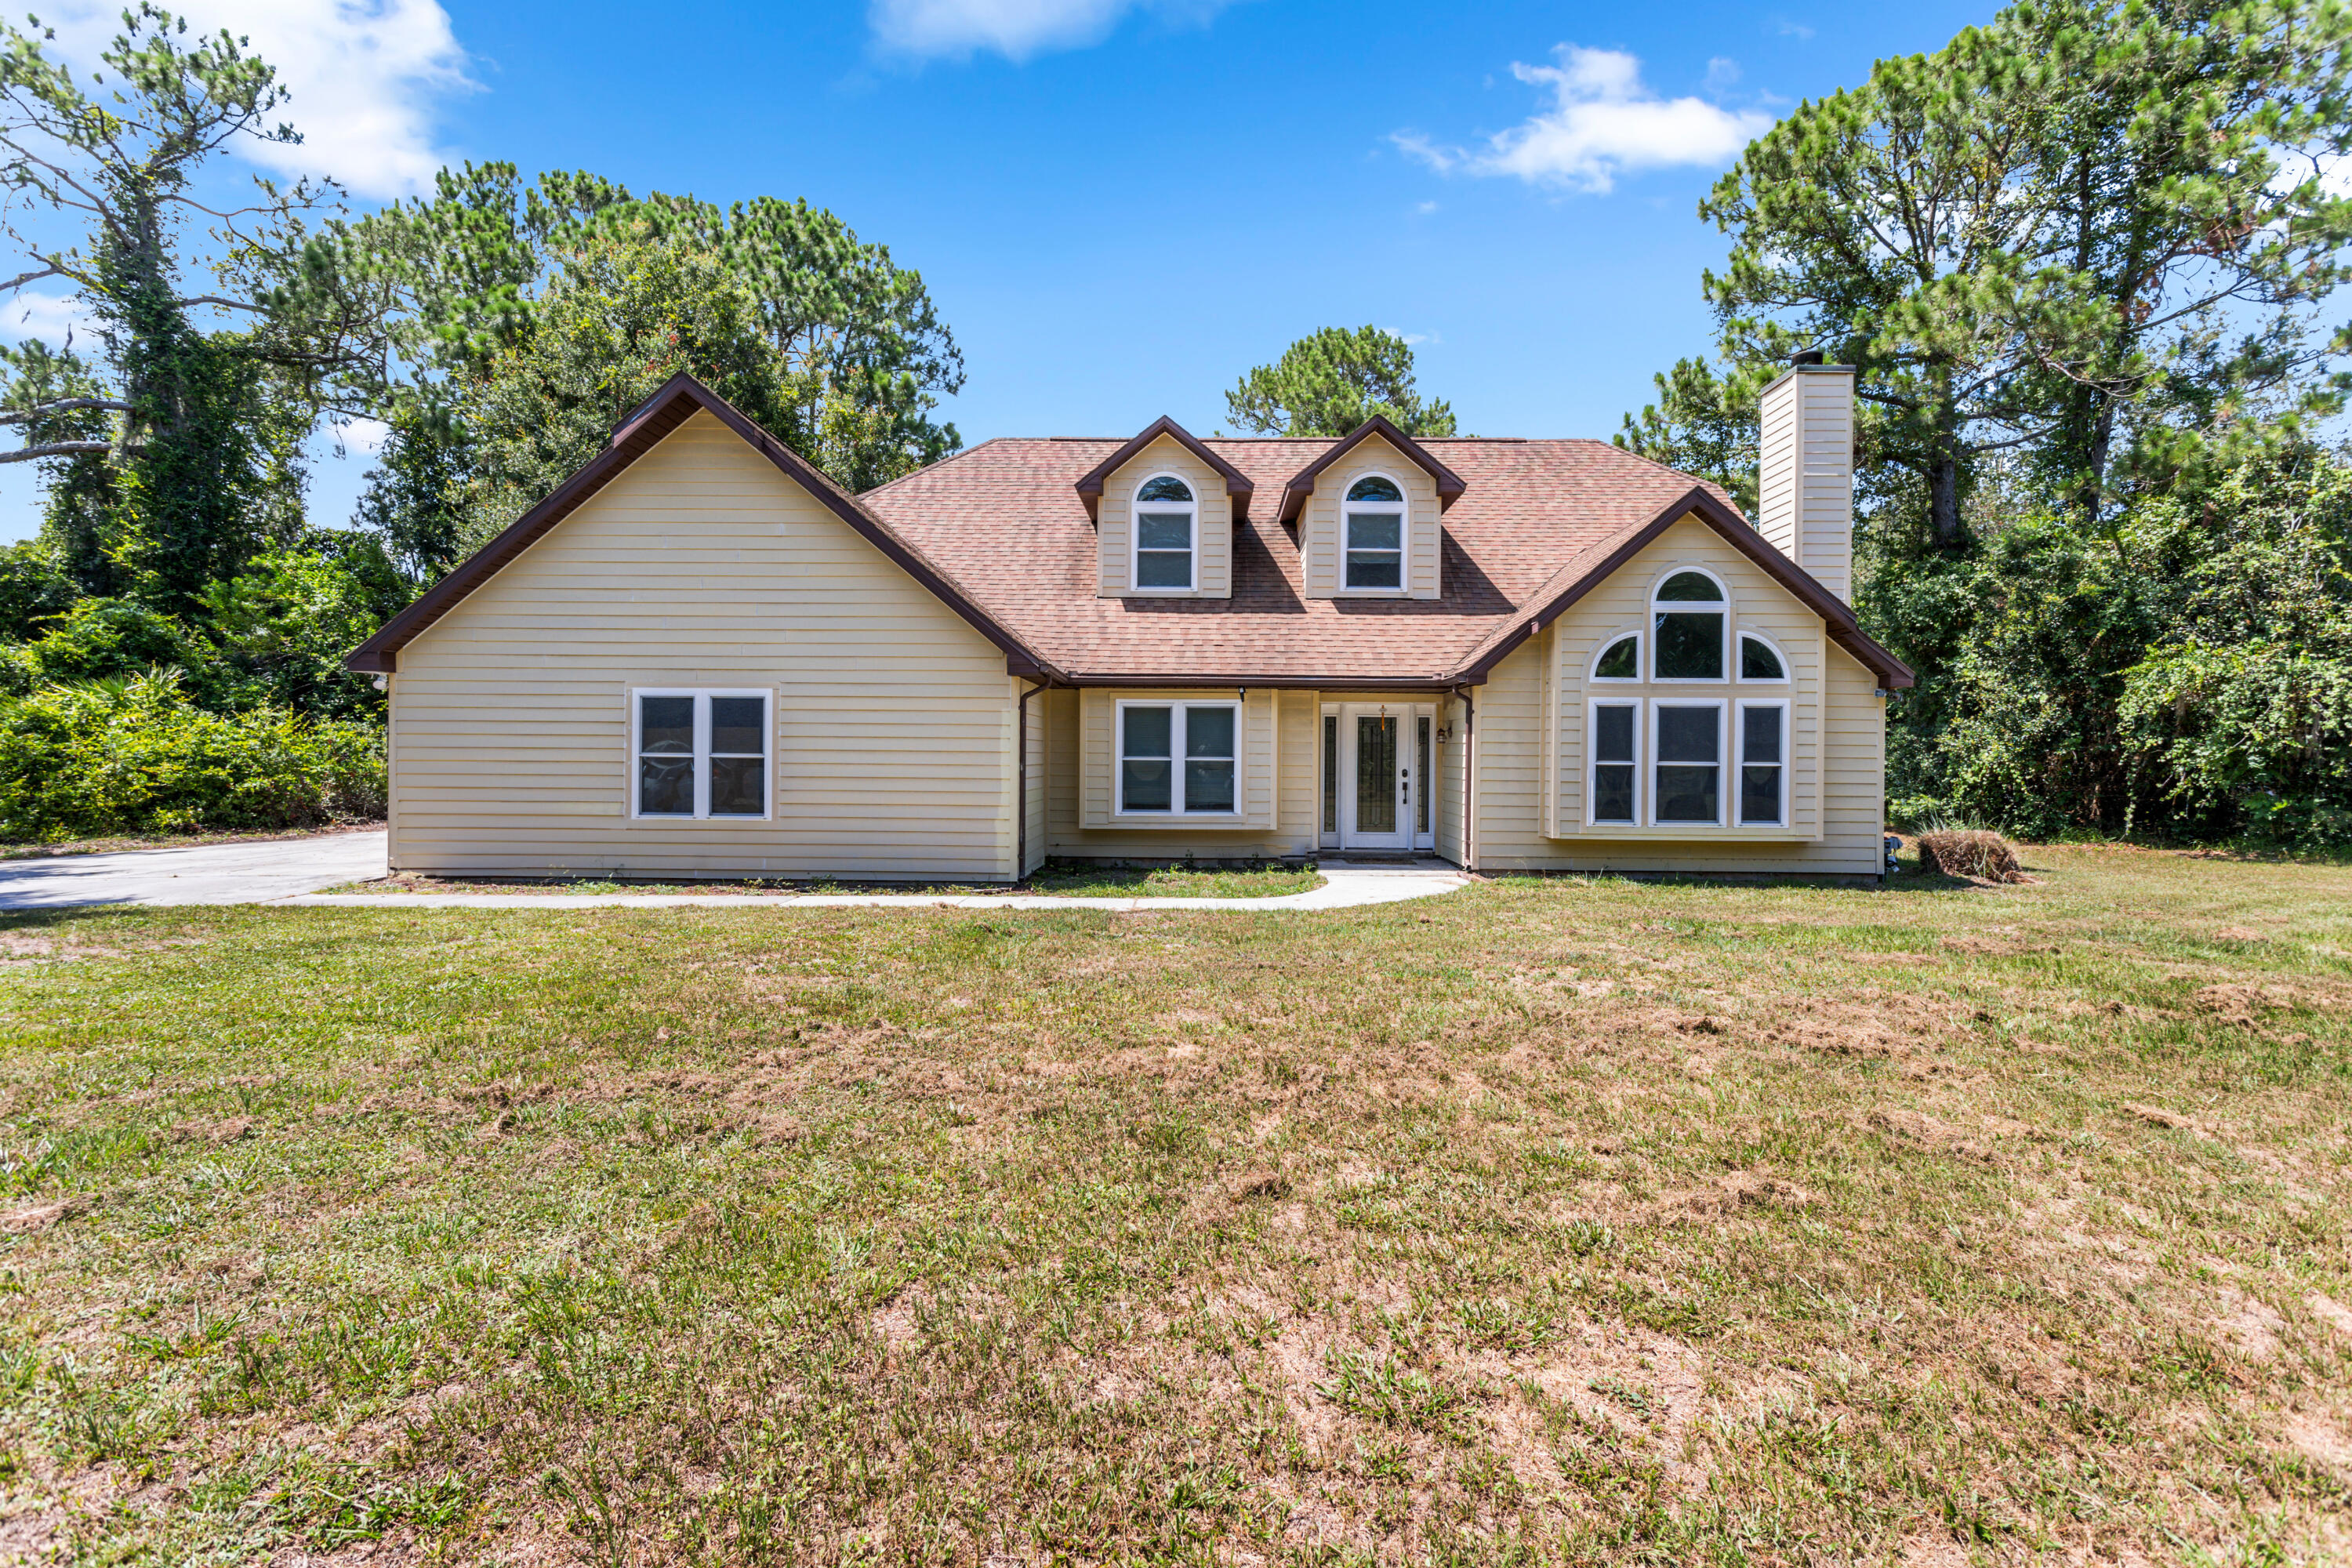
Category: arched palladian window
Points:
column 1759, row 660
column 1375, row 534
column 1689, row 629
column 1167, row 521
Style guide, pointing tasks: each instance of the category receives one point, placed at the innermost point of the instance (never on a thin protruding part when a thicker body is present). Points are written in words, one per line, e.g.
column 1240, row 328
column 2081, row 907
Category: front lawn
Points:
column 1066, row 880
column 1548, row 1221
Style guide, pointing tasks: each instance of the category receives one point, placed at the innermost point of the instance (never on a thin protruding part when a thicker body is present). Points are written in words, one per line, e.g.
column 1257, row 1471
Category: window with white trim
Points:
column 1167, row 522
column 1179, row 758
column 700, row 754
column 1686, row 774
column 1616, row 762
column 1763, row 764
column 1689, row 625
column 1759, row 660
column 1375, row 534
column 1621, row 660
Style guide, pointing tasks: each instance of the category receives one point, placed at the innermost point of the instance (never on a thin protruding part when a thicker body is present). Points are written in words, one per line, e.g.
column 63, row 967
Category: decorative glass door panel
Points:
column 1376, row 775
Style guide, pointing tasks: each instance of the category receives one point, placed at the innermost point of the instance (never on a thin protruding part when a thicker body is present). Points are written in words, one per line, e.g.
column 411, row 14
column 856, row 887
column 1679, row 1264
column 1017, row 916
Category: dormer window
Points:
column 1375, row 541
column 1166, row 518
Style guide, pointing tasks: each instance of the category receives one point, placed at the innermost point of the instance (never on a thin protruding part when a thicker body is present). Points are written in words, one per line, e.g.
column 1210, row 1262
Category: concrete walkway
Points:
column 1345, row 886
column 250, row 873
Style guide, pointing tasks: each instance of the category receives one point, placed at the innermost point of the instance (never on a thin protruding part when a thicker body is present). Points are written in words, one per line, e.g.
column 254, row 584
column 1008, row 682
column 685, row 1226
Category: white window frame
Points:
column 1191, row 510
column 1739, row 662
column 1592, row 762
column 1739, row 764
column 1592, row 670
column 702, row 695
column 1403, row 511
column 1178, row 721
column 1724, row 811
column 1691, row 606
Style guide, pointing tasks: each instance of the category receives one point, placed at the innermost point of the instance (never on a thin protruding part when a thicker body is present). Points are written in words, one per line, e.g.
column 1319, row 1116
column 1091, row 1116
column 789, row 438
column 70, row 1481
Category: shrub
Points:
column 133, row 756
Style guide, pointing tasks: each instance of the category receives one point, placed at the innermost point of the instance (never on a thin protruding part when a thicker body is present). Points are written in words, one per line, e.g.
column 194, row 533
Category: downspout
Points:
column 1021, row 786
column 1469, row 778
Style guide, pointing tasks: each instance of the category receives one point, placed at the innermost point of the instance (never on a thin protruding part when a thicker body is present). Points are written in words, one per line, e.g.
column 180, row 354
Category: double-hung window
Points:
column 1616, row 762
column 1687, row 740
column 1375, row 541
column 701, row 754
column 1166, row 518
column 1763, row 764
column 1179, row 758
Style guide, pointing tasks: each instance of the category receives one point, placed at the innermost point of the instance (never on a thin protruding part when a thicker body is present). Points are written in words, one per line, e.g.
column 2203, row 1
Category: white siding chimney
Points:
column 1804, row 493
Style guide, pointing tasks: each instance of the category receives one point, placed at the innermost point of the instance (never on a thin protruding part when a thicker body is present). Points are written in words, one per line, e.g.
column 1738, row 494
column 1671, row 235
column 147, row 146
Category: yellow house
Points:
column 701, row 657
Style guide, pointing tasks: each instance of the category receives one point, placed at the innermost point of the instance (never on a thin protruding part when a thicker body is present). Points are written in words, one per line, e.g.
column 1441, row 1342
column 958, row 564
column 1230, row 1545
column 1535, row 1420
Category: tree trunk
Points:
column 1944, row 500
column 2094, row 459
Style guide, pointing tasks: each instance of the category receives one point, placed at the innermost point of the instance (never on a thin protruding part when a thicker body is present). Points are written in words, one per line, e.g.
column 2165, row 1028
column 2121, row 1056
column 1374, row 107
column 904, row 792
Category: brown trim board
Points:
column 653, row 419
column 1178, row 682
column 1238, row 485
column 1891, row 672
column 1450, row 485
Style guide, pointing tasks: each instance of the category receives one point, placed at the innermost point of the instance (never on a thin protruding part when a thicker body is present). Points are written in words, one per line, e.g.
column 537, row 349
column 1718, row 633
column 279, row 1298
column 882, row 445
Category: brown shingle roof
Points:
column 1536, row 521
column 1001, row 535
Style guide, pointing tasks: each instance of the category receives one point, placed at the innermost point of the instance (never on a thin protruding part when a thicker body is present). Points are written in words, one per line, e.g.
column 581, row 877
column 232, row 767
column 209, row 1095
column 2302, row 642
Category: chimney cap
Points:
column 1806, row 356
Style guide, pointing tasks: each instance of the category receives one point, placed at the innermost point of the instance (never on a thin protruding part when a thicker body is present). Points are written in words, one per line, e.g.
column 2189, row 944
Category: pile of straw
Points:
column 1973, row 853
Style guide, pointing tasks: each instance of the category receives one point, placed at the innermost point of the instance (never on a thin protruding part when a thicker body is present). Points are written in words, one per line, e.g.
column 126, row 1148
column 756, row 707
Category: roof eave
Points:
column 678, row 400
column 1836, row 614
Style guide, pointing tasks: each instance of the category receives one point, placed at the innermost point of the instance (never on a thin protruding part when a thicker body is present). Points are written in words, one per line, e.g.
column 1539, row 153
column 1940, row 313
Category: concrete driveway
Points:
column 204, row 874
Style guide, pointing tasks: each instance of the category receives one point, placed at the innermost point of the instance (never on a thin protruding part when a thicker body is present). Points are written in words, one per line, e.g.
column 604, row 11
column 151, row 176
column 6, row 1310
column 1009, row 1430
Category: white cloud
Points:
column 1014, row 28
column 361, row 434
column 1602, row 123
column 49, row 317
column 366, row 77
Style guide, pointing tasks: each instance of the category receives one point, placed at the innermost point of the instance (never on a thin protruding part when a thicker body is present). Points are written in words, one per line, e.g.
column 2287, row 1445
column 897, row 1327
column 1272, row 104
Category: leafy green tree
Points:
column 1703, row 423
column 856, row 356
column 1328, row 383
column 2054, row 217
column 415, row 498
column 2241, row 713
column 621, row 316
column 180, row 445
column 286, row 621
column 32, row 590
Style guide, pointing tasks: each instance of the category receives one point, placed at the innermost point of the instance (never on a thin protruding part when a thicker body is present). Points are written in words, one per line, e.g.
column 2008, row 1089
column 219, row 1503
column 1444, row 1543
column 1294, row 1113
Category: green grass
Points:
column 1550, row 1221
column 1077, row 879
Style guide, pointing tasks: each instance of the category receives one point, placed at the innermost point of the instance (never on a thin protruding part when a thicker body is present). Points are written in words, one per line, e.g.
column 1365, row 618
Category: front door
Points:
column 1382, row 754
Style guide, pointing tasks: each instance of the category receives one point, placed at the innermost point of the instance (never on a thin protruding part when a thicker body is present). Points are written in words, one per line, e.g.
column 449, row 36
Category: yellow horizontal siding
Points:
column 1212, row 565
column 703, row 566
column 1319, row 533
column 1531, row 807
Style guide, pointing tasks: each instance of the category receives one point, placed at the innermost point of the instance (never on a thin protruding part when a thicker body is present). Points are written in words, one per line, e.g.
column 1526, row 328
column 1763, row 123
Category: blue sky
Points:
column 1120, row 207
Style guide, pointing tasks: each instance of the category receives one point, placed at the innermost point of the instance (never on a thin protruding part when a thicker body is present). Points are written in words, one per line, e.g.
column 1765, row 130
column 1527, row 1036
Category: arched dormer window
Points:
column 1374, row 534
column 1689, row 628
column 1167, row 523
